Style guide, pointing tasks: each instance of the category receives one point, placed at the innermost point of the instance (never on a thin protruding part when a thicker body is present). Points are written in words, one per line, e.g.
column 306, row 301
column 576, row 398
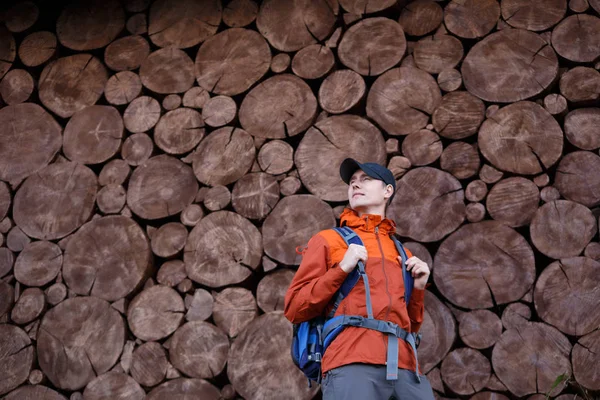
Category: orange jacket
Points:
column 319, row 277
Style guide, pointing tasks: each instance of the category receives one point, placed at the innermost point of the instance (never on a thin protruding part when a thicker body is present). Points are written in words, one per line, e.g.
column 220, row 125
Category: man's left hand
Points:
column 419, row 270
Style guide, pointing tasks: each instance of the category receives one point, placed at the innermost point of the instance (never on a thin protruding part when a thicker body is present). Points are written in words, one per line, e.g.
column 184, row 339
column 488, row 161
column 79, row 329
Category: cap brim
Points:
column 348, row 167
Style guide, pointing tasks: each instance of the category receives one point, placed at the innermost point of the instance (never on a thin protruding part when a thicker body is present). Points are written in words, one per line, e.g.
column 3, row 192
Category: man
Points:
column 353, row 366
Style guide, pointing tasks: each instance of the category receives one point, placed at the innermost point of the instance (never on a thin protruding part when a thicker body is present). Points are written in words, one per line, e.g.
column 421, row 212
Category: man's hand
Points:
column 354, row 254
column 419, row 270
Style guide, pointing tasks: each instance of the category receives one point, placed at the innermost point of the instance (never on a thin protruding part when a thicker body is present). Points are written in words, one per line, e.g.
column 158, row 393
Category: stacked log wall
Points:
column 163, row 162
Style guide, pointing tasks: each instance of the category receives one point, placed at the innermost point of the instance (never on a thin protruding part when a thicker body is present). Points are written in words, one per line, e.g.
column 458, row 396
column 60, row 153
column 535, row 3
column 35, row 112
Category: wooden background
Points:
column 161, row 161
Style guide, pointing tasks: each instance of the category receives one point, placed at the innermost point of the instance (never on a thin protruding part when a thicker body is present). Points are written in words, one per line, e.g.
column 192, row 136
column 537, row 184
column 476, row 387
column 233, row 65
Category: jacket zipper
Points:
column 387, row 291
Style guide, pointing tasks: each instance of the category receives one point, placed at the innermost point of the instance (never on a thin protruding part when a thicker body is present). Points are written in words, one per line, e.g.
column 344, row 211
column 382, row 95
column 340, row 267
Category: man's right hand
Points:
column 354, row 254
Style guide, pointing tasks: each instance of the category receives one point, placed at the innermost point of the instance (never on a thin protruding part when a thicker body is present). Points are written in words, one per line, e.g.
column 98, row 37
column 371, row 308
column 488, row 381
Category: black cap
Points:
column 349, row 166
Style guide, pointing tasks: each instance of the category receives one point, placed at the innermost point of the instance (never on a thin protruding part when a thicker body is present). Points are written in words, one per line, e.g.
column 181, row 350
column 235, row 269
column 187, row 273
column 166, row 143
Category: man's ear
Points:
column 389, row 191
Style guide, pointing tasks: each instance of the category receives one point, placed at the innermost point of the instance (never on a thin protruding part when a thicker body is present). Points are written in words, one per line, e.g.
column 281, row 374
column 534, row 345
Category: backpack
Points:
column 311, row 338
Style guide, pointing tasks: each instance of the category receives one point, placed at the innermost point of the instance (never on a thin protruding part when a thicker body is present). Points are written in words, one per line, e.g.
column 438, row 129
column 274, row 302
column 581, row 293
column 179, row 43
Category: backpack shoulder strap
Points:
column 409, row 281
column 350, row 237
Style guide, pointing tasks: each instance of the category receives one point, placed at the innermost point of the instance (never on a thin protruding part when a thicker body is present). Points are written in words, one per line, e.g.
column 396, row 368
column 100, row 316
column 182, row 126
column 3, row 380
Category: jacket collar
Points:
column 367, row 222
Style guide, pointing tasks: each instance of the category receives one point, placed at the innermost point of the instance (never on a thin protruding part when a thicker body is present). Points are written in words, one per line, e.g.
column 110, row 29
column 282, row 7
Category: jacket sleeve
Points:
column 416, row 305
column 314, row 284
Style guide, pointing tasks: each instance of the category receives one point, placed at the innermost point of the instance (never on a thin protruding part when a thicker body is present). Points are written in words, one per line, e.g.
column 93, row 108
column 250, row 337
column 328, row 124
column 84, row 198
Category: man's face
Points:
column 365, row 192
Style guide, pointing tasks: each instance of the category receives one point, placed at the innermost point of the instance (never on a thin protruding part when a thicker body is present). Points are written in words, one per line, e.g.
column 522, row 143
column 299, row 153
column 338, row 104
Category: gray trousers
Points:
column 367, row 381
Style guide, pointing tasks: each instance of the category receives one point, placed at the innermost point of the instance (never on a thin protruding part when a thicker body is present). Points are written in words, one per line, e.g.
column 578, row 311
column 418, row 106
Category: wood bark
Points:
column 440, row 207
column 199, row 358
column 249, row 361
column 87, row 269
column 481, row 247
column 71, row 349
column 513, row 201
column 225, row 259
column 44, row 205
column 402, row 99
column 155, row 313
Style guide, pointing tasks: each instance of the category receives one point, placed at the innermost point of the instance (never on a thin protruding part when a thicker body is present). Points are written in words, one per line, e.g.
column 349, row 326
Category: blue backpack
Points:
column 311, row 338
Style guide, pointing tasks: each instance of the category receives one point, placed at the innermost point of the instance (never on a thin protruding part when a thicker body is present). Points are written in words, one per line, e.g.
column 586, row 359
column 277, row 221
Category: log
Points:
column 360, row 7
column 437, row 53
column 479, row 329
column 233, row 310
column 471, row 19
column 137, row 24
column 435, row 380
column 219, row 111
column 532, row 139
column 289, row 186
column 438, row 205
column 513, row 201
column 179, row 131
column 592, row 251
column 313, row 61
column 115, row 385
column 481, row 247
column 489, row 396
column 311, row 22
column 88, row 270
column 204, row 358
column 458, row 116
column 37, row 48
column 402, row 99
column 38, row 264
column 262, row 349
column 36, row 392
column 171, row 273
column 265, row 111
column 93, row 135
column 137, row 149
column 111, row 199
column 200, row 306
column 224, row 156
column 171, row 102
column 183, row 23
column 136, row 6
column 549, row 194
column 255, row 195
column 149, row 364
column 326, row 144
column 461, row 160
column 184, row 388
column 276, row 157
column 155, row 313
column 422, row 148
column 528, row 66
column 562, row 229
column 580, row 84
column 439, row 333
column 475, row 212
column 126, row 53
column 16, row 86
column 56, row 293
column 225, row 259
column 585, row 358
column 7, row 299
column 418, row 18
column 489, row 174
column 185, row 286
column 217, row 198
column 280, row 62
column 8, row 50
column 71, row 190
column 556, row 104
column 595, row 5
column 466, row 371
column 307, row 214
column 167, row 70
column 577, row 38
column 564, row 295
column 341, row 91
column 72, row 349
column 575, row 180
column 21, row 16
column 191, row 215
column 72, row 83
column 195, row 97
column 533, row 15
column 384, row 48
column 31, row 143
column 5, row 200
column 90, row 25
column 16, row 240
column 580, row 127
column 122, row 88
column 547, row 351
column 240, row 13
column 271, row 290
column 154, row 194
column 449, row 80
column 169, row 239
